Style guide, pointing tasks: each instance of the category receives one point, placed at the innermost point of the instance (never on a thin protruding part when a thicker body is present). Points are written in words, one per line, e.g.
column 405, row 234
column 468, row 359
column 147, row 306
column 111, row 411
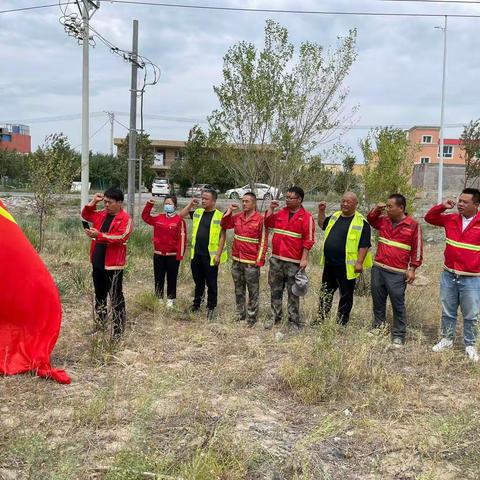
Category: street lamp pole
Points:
column 442, row 114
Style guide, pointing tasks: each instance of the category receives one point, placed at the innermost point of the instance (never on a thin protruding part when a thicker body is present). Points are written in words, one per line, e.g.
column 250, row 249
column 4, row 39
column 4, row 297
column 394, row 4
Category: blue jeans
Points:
column 463, row 291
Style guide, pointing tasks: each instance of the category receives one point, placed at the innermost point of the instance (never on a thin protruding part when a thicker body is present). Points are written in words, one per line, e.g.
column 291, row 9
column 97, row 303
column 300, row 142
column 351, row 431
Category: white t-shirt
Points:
column 466, row 222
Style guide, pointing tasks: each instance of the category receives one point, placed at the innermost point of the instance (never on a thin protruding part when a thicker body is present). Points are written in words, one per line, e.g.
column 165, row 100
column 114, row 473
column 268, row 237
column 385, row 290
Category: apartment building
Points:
column 428, row 141
column 165, row 152
column 15, row 137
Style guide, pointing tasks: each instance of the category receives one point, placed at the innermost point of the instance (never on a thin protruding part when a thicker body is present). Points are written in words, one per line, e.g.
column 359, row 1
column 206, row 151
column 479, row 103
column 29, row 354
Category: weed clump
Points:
column 334, row 360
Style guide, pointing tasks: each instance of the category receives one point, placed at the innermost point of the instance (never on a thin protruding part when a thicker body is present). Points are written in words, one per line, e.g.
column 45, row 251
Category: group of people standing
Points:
column 345, row 255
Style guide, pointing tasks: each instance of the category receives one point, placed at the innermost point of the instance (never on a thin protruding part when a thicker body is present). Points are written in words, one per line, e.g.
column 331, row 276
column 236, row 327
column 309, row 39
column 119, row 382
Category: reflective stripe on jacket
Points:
column 351, row 245
column 398, row 248
column 116, row 237
column 250, row 237
column 169, row 233
column 214, row 235
column 462, row 249
column 291, row 235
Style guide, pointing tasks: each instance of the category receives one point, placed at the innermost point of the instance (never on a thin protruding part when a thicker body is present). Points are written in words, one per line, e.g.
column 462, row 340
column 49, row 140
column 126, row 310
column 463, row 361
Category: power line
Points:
column 36, row 7
column 120, row 123
column 94, row 133
column 274, row 10
column 295, row 12
column 56, row 118
column 200, row 119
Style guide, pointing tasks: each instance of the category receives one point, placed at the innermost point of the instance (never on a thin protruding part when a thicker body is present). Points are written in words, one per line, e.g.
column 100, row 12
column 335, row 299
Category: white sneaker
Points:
column 443, row 344
column 169, row 302
column 397, row 342
column 471, row 353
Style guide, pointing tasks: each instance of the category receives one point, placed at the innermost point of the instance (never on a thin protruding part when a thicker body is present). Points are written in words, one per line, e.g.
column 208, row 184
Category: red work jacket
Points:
column 398, row 248
column 462, row 249
column 291, row 236
column 250, row 237
column 116, row 237
column 169, row 232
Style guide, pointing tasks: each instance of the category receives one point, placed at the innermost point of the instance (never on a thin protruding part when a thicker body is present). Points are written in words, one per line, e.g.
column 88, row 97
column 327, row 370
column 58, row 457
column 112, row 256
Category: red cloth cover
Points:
column 30, row 309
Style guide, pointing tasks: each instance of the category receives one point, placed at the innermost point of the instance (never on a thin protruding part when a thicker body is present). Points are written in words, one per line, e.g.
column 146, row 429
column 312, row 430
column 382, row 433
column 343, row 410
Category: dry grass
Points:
column 184, row 399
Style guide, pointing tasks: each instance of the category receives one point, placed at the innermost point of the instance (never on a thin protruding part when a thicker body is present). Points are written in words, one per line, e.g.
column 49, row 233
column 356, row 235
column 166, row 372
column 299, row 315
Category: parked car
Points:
column 261, row 190
column 161, row 187
column 77, row 187
column 196, row 190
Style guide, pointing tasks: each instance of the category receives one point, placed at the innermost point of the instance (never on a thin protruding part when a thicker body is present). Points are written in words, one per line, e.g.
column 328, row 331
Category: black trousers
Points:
column 109, row 282
column 335, row 277
column 204, row 274
column 389, row 284
column 165, row 265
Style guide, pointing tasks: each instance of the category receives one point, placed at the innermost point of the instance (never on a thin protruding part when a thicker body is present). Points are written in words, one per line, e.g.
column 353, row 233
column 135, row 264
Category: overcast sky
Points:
column 396, row 79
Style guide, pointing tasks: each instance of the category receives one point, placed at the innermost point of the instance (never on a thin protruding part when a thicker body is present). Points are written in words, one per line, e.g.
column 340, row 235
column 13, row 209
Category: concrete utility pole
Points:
column 132, row 135
column 442, row 110
column 87, row 8
column 111, row 118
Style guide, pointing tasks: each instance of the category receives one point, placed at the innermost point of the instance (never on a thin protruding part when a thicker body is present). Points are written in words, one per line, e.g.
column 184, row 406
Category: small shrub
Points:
column 334, row 361
column 146, row 302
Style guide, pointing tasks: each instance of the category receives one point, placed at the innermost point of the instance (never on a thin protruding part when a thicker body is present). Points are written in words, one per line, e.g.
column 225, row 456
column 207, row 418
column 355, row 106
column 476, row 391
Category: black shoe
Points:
column 251, row 323
column 194, row 308
column 211, row 315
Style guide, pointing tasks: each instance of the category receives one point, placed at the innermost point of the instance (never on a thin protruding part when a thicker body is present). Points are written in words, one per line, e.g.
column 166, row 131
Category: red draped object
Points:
column 30, row 309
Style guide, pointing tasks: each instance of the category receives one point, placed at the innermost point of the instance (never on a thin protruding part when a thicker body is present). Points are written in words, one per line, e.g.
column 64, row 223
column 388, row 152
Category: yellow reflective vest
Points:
column 351, row 245
column 214, row 236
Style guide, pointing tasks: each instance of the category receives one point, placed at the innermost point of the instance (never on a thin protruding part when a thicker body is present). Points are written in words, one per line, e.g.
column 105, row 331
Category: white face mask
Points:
column 169, row 208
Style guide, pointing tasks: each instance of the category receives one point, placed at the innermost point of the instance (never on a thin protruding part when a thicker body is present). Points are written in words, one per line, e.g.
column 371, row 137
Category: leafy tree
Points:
column 470, row 145
column 314, row 177
column 106, row 171
column 192, row 167
column 201, row 162
column 388, row 165
column 52, row 167
column 13, row 167
column 346, row 180
column 275, row 109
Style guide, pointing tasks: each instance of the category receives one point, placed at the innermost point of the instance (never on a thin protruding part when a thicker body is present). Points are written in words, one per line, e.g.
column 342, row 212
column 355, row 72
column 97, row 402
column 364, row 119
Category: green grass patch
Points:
column 335, row 361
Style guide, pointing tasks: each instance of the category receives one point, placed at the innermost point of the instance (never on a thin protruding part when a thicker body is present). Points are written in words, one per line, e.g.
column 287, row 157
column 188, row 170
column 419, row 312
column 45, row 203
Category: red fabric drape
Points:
column 30, row 309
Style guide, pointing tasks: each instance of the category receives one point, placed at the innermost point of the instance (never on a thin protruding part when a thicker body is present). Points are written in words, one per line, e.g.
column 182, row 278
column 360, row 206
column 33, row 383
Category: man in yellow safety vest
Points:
column 345, row 254
column 207, row 245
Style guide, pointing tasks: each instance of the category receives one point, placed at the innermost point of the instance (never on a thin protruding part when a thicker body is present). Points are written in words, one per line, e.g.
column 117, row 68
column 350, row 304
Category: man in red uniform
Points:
column 293, row 231
column 248, row 255
column 108, row 252
column 399, row 254
column 460, row 280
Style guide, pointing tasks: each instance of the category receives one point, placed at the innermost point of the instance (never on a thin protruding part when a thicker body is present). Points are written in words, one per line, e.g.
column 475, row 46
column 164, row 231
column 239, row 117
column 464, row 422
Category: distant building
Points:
column 336, row 168
column 15, row 137
column 428, row 141
column 165, row 152
column 426, row 163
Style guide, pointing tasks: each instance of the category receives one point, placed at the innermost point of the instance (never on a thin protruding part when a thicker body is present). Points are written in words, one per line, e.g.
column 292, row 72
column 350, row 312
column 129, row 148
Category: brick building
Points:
column 428, row 141
column 15, row 137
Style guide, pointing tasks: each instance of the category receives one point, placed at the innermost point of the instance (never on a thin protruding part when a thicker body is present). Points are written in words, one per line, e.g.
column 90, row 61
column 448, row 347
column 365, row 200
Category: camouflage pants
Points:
column 281, row 275
column 246, row 277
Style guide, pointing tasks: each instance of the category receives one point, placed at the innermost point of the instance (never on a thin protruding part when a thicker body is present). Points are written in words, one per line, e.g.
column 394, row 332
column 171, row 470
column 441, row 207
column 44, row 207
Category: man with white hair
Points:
column 345, row 254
